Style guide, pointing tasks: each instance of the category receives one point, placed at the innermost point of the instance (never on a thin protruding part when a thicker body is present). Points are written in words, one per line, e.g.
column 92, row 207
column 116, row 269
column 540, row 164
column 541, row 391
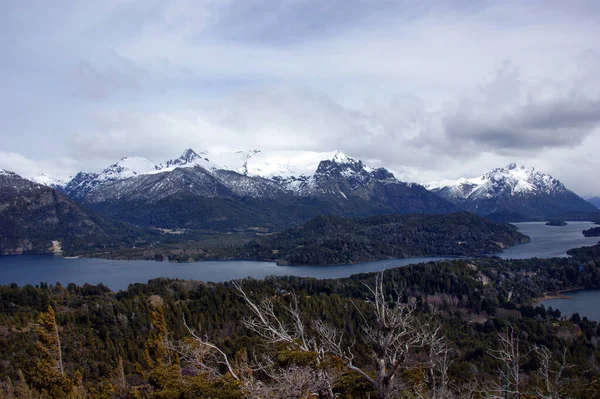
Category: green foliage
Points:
column 592, row 232
column 328, row 240
column 33, row 216
column 105, row 334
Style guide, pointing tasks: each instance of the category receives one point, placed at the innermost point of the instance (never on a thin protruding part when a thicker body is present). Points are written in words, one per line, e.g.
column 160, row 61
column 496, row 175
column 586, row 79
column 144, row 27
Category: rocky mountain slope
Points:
column 247, row 189
column 36, row 218
column 514, row 193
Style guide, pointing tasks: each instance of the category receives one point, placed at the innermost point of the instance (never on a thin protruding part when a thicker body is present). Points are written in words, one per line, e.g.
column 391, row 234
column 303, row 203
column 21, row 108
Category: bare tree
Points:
column 272, row 328
column 290, row 330
column 551, row 373
column 199, row 350
column 508, row 353
column 391, row 329
column 397, row 337
column 509, row 384
column 394, row 334
column 436, row 381
column 293, row 381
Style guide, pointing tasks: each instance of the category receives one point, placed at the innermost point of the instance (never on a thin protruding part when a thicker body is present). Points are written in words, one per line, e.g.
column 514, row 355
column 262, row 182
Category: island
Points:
column 556, row 223
column 593, row 232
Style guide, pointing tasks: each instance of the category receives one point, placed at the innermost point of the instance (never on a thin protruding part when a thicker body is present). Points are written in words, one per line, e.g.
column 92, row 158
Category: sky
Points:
column 428, row 89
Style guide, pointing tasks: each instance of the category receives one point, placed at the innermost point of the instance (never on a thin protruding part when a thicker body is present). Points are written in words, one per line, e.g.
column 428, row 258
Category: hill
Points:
column 328, row 240
column 36, row 218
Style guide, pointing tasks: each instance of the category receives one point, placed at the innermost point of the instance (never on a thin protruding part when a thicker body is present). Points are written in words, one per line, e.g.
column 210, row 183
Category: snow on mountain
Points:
column 188, row 159
column 46, row 180
column 277, row 164
column 252, row 174
column 292, row 170
column 514, row 179
column 514, row 190
column 127, row 167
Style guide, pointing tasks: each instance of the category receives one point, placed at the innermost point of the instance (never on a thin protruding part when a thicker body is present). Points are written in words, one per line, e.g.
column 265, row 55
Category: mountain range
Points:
column 244, row 190
column 276, row 190
column 513, row 193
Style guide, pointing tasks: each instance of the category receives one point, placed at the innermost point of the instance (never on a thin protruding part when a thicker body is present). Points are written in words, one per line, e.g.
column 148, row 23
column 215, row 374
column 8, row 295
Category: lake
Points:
column 584, row 302
column 545, row 242
column 550, row 241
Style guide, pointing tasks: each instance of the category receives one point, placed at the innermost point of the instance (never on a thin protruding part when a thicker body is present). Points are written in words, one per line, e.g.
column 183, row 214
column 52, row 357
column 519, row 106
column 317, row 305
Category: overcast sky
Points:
column 430, row 90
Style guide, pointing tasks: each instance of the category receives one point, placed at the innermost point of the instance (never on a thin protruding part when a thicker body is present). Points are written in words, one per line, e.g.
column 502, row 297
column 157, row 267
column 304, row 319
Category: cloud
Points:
column 427, row 89
column 27, row 168
column 510, row 114
column 99, row 82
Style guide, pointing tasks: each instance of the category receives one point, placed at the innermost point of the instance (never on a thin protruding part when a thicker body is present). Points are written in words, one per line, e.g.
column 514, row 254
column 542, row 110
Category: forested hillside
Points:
column 334, row 240
column 184, row 339
column 32, row 216
column 328, row 240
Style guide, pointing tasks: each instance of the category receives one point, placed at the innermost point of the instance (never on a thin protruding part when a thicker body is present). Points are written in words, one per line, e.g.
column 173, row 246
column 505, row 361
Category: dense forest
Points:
column 447, row 329
column 556, row 223
column 592, row 232
column 328, row 240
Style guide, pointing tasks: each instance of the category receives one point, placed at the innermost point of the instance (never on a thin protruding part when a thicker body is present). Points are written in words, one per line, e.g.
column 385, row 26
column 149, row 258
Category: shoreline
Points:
column 556, row 295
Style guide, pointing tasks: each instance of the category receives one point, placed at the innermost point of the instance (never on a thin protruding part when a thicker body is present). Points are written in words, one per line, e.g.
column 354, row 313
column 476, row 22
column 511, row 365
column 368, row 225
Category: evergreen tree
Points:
column 49, row 375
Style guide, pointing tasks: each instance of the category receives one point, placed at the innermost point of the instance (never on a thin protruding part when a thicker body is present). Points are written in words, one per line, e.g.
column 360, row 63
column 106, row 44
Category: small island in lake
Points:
column 556, row 223
column 593, row 232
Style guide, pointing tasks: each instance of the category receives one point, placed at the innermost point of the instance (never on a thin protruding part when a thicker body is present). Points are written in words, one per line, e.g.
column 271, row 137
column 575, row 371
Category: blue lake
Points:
column 584, row 302
column 545, row 242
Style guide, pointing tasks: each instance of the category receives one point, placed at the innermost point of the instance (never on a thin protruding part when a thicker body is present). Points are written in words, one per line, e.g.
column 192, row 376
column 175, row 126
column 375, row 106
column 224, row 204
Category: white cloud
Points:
column 430, row 89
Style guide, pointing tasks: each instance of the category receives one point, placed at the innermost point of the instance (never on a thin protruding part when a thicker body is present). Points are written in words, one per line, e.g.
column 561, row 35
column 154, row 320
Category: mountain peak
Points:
column 188, row 159
column 514, row 188
column 340, row 157
column 513, row 166
column 189, row 155
column 45, row 180
column 8, row 173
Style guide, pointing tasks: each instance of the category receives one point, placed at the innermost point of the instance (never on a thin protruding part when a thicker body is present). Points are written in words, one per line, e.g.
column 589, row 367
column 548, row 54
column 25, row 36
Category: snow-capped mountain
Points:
column 188, row 159
column 46, row 180
column 294, row 171
column 275, row 188
column 517, row 191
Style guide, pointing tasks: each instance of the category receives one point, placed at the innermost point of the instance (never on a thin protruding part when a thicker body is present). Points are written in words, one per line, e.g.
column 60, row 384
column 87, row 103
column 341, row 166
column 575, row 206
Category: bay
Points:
column 584, row 302
column 546, row 241
column 549, row 241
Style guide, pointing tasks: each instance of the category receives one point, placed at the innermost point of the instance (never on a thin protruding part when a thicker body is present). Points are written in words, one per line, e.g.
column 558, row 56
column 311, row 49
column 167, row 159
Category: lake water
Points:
column 545, row 242
column 550, row 241
column 584, row 302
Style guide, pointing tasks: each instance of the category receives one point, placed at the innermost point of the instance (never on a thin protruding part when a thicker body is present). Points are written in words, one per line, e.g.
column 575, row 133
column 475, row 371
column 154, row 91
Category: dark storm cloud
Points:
column 564, row 122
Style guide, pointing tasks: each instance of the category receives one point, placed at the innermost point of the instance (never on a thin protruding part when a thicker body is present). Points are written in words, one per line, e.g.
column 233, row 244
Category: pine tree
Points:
column 49, row 376
column 22, row 390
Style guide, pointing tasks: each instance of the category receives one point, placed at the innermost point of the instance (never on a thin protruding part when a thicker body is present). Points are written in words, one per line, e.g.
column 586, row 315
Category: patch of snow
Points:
column 46, row 180
column 514, row 178
column 127, row 167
